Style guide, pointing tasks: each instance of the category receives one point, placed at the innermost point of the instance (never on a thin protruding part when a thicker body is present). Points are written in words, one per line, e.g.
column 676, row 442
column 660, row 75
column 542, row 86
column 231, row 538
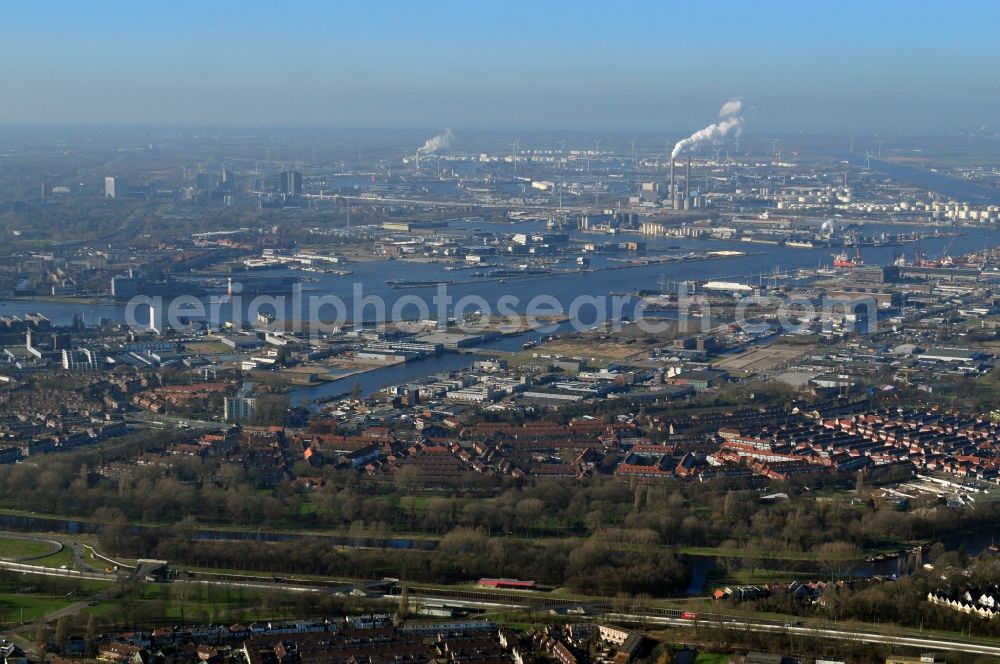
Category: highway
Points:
column 53, row 571
column 488, row 601
column 731, row 623
column 174, row 422
column 726, row 622
column 710, row 621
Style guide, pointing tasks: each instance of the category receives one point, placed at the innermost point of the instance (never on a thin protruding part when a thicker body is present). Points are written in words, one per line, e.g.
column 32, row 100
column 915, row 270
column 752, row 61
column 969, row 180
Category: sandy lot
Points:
column 760, row 359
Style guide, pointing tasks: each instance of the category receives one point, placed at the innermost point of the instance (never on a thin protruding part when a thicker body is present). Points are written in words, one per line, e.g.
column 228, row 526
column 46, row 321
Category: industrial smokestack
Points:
column 671, row 190
column 432, row 145
column 687, row 180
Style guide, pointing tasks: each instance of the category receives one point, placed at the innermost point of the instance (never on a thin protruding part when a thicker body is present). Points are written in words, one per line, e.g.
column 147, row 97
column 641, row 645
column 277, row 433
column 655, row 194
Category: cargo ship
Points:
column 519, row 272
column 843, row 260
column 415, row 283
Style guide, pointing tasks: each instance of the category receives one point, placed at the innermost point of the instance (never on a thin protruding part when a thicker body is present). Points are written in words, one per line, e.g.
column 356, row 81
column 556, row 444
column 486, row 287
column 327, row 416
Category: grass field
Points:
column 744, row 577
column 64, row 557
column 181, row 601
column 14, row 549
column 34, row 606
column 719, row 552
column 208, row 348
column 712, row 658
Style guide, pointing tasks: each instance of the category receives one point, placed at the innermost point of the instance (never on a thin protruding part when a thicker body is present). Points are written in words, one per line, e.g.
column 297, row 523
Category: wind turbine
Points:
column 868, row 160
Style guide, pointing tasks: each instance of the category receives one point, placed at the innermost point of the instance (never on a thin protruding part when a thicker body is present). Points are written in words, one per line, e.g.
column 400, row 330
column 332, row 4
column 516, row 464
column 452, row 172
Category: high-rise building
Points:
column 649, row 192
column 155, row 324
column 62, row 341
column 239, row 408
column 115, row 187
column 291, row 183
column 206, row 181
column 29, row 345
column 124, row 286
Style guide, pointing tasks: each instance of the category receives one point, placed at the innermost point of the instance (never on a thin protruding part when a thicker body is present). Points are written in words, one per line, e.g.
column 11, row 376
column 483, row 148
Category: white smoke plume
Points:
column 439, row 142
column 732, row 123
column 731, row 107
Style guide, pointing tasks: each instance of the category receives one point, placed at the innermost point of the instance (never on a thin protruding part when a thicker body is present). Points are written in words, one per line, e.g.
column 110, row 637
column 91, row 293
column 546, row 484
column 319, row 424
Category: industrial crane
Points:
column 946, row 259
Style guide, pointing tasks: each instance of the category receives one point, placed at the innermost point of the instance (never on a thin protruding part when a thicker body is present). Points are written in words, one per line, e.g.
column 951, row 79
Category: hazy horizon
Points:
column 634, row 67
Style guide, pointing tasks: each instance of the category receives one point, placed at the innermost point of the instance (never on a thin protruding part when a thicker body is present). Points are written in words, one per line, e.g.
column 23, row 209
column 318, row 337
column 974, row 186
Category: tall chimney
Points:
column 671, row 191
column 687, row 180
column 418, row 160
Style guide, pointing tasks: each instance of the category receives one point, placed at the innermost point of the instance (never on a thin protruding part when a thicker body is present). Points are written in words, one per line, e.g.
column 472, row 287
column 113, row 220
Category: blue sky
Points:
column 630, row 66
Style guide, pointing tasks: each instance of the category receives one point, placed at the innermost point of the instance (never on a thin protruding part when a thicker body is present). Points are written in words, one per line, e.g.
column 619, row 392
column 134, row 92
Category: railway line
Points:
column 491, row 601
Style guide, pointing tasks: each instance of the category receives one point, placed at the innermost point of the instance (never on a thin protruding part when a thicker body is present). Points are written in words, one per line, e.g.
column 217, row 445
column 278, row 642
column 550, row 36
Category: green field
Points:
column 712, row 658
column 744, row 577
column 15, row 549
column 34, row 606
column 719, row 552
column 60, row 559
column 183, row 602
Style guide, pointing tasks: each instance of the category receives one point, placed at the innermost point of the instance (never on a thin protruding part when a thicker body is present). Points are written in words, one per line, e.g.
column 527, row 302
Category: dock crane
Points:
column 946, row 259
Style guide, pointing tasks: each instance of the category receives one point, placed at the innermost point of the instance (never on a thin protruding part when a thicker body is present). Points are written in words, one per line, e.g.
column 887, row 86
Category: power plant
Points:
column 671, row 191
column 431, row 145
column 687, row 186
column 680, row 200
